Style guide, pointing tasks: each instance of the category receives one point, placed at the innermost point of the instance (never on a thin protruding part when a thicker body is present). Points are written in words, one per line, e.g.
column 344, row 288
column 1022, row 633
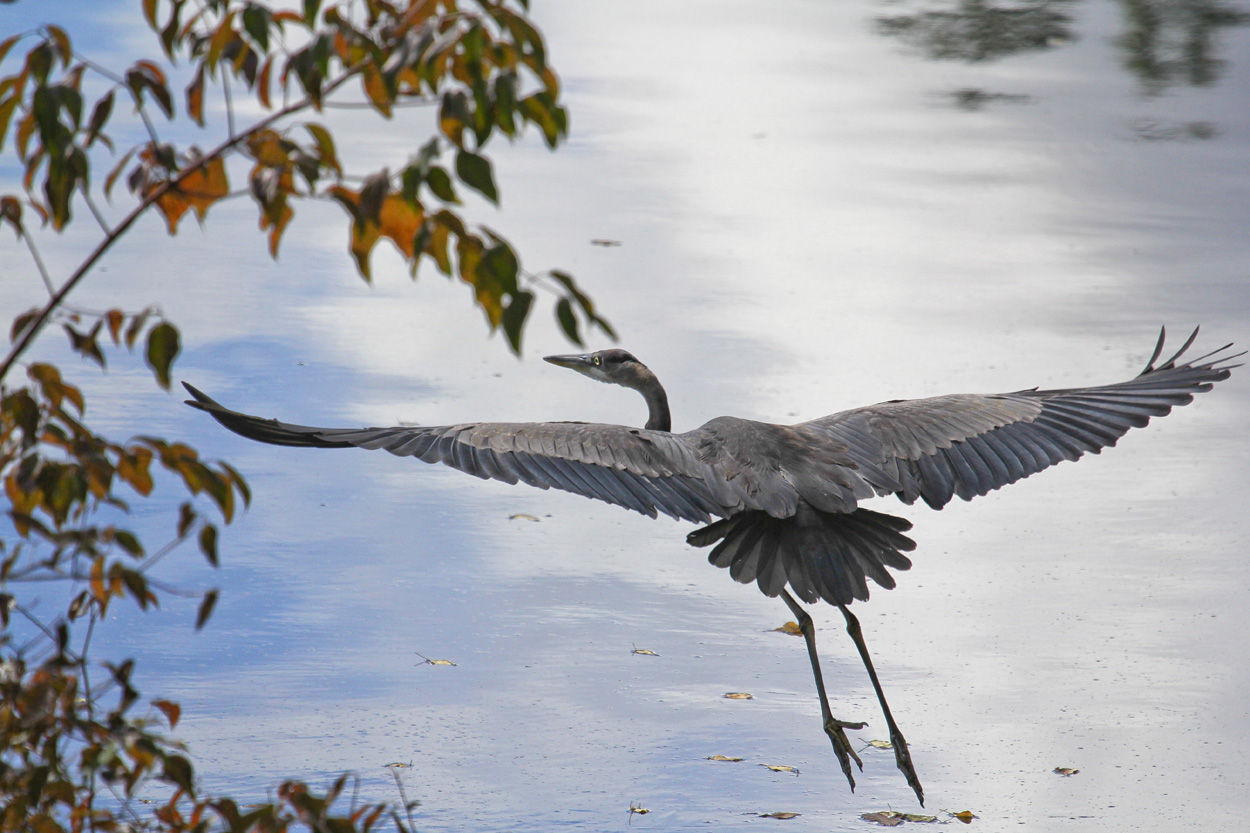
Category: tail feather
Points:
column 822, row 555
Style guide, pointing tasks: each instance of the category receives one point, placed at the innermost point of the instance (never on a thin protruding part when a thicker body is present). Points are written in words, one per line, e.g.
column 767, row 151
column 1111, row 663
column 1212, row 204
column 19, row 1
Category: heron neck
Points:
column 658, row 417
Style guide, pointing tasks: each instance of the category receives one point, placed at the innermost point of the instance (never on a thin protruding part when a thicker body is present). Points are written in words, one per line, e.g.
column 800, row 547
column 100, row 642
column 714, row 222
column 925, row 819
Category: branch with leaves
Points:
column 473, row 70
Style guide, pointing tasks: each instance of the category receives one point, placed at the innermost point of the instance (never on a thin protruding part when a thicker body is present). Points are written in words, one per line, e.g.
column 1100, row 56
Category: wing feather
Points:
column 646, row 471
column 971, row 444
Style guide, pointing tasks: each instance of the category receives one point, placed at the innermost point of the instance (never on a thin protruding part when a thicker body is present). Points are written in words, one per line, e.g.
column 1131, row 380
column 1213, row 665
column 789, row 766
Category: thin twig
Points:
column 43, row 270
column 95, row 211
column 225, row 90
column 82, row 667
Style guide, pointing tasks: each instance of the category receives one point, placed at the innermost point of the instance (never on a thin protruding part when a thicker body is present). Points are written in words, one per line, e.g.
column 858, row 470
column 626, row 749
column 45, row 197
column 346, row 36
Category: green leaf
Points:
column 440, row 183
column 99, row 117
column 568, row 321
column 311, row 8
column 163, row 348
column 178, row 771
column 505, row 102
column 514, row 316
column 128, row 542
column 475, row 171
column 240, row 484
column 325, row 147
column 186, row 517
column 500, row 264
column 206, row 609
column 256, row 22
column 22, row 322
column 6, row 115
column 208, row 543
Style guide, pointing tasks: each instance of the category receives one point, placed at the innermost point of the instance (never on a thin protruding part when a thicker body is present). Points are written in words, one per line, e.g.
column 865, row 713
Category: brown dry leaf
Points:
column 965, row 816
column 781, row 768
column 1065, row 771
column 791, row 628
column 398, row 221
column 739, row 695
column 205, row 186
column 398, row 765
column 645, row 652
column 521, row 516
column 917, row 818
column 883, row 819
column 266, row 147
column 429, row 661
column 723, row 758
column 780, row 815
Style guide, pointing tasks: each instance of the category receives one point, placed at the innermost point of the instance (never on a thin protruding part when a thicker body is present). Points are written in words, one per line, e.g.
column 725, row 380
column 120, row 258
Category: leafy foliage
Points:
column 74, row 753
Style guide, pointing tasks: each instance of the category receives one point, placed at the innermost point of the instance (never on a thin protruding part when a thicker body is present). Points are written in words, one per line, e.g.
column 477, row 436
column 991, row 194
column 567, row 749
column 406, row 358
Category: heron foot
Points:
column 902, row 755
column 902, row 758
column 842, row 746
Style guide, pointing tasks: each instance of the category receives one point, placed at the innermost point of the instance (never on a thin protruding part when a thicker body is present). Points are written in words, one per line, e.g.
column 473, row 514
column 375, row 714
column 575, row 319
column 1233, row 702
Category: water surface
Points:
column 819, row 206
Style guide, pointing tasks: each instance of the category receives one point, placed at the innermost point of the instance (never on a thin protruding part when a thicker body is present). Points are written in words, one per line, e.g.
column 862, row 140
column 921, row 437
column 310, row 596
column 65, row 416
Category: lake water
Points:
column 819, row 206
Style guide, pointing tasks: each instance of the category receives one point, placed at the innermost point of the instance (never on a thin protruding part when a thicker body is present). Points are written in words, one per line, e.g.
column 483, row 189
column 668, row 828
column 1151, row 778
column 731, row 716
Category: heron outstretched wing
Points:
column 971, row 444
column 647, row 471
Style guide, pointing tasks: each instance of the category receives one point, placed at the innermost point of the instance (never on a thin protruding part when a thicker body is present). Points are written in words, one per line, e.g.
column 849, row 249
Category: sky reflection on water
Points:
column 809, row 221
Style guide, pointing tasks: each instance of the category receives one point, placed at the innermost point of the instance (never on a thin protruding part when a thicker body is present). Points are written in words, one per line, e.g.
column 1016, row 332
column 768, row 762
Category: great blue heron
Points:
column 787, row 495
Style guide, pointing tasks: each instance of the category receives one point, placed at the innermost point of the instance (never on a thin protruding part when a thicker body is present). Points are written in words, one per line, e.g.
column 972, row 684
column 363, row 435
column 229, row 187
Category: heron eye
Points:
column 598, row 361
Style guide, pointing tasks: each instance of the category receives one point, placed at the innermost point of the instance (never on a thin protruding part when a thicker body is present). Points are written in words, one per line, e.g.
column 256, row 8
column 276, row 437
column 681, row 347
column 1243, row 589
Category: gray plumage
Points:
column 781, row 502
column 789, row 494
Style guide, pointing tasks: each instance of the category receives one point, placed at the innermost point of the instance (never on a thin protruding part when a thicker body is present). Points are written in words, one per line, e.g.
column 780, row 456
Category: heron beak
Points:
column 573, row 362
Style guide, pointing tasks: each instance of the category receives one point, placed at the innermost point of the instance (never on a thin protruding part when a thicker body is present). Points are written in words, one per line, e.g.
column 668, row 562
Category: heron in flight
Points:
column 781, row 502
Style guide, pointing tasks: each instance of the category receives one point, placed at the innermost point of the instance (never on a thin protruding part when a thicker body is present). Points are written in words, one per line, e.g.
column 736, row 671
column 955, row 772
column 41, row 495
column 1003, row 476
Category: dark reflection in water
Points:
column 1172, row 42
column 971, row 98
column 976, row 31
column 1166, row 43
column 1151, row 130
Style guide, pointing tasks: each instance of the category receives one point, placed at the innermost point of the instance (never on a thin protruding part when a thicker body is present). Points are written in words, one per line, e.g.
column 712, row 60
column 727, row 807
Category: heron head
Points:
column 615, row 366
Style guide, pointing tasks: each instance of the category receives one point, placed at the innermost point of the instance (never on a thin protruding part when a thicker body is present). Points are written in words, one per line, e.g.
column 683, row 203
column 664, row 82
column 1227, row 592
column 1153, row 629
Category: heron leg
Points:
column 833, row 727
column 901, row 754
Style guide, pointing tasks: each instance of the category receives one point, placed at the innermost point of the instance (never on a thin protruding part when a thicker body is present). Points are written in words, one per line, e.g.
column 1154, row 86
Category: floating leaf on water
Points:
column 429, row 661
column 883, row 819
column 879, row 744
column 780, row 815
column 521, row 516
column 739, row 695
column 637, row 809
column 781, row 768
column 792, row 628
column 965, row 816
column 645, row 652
column 723, row 758
column 1065, row 771
column 917, row 818
column 398, row 765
